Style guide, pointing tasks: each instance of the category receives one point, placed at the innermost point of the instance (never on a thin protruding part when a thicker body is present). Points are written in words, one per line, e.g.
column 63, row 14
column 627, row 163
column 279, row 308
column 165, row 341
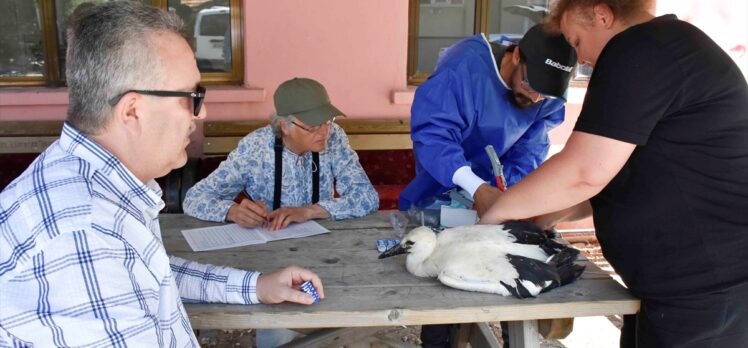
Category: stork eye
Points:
column 410, row 243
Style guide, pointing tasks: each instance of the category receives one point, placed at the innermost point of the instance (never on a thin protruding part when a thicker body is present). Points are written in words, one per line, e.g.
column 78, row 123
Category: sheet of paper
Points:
column 233, row 235
column 304, row 229
column 224, row 236
column 453, row 217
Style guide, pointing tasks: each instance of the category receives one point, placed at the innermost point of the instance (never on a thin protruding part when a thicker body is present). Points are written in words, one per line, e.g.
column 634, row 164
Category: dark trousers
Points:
column 437, row 336
column 715, row 320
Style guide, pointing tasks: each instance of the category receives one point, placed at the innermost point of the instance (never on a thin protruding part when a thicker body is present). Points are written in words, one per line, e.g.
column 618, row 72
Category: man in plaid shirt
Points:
column 81, row 257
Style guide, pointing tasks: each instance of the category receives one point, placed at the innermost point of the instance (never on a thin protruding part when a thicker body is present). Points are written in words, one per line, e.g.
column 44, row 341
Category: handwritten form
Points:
column 233, row 235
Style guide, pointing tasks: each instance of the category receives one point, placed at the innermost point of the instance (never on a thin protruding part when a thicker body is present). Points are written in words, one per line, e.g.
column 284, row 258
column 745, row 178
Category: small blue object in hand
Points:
column 308, row 288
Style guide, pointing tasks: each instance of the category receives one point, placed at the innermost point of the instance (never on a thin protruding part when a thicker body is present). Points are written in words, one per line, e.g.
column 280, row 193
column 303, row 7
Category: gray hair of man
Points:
column 109, row 52
column 275, row 121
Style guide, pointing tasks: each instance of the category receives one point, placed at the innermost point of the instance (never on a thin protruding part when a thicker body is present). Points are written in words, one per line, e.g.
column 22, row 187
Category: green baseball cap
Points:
column 305, row 99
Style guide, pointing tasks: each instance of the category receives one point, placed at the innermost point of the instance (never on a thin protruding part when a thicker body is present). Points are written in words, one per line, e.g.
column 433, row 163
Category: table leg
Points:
column 524, row 334
column 481, row 336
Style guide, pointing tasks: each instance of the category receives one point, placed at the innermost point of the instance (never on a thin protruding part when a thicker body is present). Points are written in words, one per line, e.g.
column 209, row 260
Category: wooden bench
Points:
column 383, row 146
column 22, row 141
column 384, row 149
column 223, row 136
column 27, row 136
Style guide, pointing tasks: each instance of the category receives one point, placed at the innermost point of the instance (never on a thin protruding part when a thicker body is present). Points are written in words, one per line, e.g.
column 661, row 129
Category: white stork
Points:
column 515, row 258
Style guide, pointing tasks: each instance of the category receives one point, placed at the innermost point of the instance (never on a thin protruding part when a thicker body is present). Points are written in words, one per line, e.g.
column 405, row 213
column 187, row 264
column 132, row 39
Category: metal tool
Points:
column 498, row 169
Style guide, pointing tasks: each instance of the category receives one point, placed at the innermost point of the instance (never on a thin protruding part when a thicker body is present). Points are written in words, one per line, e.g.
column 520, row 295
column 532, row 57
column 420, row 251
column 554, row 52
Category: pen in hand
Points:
column 249, row 213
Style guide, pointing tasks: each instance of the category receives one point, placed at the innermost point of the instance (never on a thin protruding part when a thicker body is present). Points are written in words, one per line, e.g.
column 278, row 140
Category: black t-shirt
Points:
column 674, row 220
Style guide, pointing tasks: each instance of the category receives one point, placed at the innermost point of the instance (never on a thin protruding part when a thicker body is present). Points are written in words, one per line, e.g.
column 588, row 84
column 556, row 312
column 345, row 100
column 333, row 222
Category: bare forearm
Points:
column 574, row 175
column 551, row 188
column 580, row 211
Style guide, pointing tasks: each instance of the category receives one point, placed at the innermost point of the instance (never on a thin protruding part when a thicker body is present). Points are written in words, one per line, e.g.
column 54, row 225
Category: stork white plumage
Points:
column 515, row 258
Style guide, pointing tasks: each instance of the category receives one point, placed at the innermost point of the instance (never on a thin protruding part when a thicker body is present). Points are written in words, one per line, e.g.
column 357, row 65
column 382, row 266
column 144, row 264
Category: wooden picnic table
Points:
column 363, row 291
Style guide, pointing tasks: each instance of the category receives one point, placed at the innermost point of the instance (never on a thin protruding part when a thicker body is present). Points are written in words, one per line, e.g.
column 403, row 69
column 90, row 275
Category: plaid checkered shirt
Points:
column 82, row 262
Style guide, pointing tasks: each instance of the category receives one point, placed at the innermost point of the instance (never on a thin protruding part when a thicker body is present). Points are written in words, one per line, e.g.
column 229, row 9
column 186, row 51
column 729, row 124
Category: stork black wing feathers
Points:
column 567, row 270
column 560, row 269
column 530, row 233
column 537, row 272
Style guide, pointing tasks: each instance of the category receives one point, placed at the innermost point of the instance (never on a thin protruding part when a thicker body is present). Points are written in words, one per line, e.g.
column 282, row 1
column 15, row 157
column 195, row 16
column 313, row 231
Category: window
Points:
column 215, row 29
column 33, row 41
column 434, row 25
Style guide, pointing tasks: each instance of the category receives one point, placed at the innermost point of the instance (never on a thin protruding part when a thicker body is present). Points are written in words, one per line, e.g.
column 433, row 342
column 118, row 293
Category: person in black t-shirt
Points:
column 659, row 157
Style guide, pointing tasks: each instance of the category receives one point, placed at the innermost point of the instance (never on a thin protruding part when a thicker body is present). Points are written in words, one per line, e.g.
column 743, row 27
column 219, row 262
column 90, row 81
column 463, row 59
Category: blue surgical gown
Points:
column 462, row 108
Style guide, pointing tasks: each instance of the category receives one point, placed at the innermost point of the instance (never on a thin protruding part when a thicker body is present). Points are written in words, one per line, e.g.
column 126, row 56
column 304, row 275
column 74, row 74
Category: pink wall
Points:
column 357, row 49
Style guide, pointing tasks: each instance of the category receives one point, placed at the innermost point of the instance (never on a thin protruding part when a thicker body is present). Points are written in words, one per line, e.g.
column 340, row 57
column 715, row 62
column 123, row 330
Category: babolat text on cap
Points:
column 550, row 61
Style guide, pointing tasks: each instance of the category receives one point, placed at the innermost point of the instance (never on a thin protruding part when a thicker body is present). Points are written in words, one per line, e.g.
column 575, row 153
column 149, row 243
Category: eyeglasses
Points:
column 526, row 85
column 315, row 128
column 197, row 97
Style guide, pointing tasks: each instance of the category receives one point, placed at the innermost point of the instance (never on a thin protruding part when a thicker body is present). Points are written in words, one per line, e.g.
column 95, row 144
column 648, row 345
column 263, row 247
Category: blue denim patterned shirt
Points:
column 251, row 168
column 82, row 262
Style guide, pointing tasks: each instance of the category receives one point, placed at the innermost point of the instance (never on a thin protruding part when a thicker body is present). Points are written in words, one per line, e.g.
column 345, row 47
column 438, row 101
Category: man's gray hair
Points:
column 275, row 121
column 109, row 52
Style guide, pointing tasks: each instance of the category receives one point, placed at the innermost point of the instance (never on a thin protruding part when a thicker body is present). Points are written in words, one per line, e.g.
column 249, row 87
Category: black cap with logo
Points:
column 305, row 99
column 550, row 61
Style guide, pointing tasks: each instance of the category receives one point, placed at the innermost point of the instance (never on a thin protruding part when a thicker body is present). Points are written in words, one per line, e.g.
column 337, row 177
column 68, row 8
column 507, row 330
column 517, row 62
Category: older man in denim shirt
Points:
column 303, row 128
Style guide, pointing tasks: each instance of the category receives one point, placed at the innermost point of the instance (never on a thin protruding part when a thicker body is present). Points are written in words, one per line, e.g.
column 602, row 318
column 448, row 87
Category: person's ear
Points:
column 126, row 115
column 603, row 15
column 284, row 127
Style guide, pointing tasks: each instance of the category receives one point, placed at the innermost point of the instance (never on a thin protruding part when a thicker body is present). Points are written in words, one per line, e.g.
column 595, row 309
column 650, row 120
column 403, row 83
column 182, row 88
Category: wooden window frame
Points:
column 416, row 77
column 52, row 73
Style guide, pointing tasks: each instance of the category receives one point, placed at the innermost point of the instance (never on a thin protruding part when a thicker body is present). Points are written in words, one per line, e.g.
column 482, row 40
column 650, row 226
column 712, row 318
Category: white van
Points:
column 212, row 27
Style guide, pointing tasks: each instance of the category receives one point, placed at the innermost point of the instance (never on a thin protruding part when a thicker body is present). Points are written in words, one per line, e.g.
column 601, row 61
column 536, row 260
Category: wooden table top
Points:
column 361, row 290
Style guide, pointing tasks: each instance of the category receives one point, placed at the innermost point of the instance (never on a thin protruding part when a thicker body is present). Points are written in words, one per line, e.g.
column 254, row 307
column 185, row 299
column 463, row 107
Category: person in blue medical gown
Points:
column 481, row 93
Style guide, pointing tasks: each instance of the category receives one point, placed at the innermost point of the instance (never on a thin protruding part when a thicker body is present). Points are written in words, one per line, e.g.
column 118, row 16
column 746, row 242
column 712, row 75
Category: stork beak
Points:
column 393, row 252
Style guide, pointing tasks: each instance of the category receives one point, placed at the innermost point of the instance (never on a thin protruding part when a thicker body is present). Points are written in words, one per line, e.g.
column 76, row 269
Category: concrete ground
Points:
column 594, row 332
